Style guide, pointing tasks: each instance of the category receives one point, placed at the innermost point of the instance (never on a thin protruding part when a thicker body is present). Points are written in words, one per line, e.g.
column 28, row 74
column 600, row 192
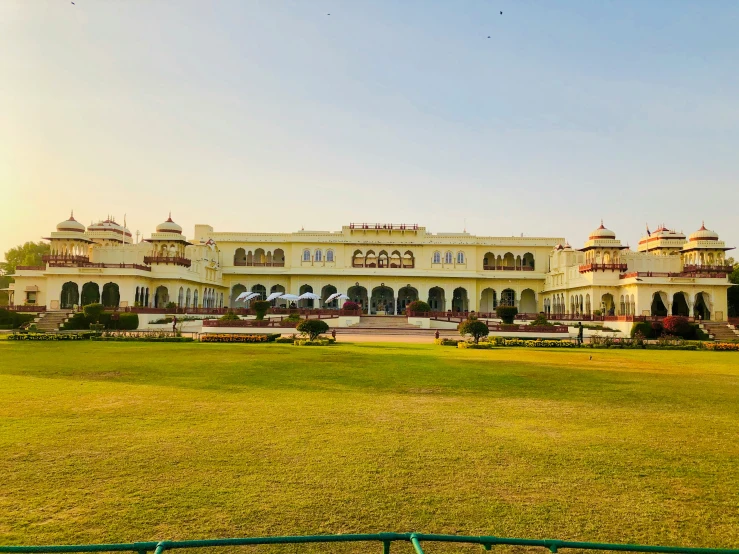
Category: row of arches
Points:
column 508, row 261
column 259, row 257
column 661, row 305
column 680, row 304
column 318, row 255
column 91, row 293
column 598, row 256
column 110, row 296
column 382, row 259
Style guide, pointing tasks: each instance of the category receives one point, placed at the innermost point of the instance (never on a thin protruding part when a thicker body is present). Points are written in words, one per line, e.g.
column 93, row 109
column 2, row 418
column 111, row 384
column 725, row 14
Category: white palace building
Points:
column 381, row 266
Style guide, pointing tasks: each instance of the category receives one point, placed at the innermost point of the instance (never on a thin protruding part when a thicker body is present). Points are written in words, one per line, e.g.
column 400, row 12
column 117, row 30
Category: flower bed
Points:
column 144, row 339
column 472, row 346
column 536, row 343
column 722, row 346
column 49, row 336
column 228, row 337
column 317, row 342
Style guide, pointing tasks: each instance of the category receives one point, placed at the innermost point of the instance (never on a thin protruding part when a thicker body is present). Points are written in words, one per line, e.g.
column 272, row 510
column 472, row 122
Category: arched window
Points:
column 460, row 257
column 306, row 255
column 448, row 257
column 437, row 257
column 329, row 255
column 318, row 256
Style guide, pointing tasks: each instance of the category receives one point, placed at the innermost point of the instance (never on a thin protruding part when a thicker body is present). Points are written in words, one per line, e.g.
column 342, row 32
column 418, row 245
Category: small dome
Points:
column 704, row 234
column 109, row 225
column 602, row 233
column 169, row 226
column 71, row 225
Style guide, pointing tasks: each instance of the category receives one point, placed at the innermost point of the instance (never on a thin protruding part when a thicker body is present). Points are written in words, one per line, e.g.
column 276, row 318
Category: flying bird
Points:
column 501, row 13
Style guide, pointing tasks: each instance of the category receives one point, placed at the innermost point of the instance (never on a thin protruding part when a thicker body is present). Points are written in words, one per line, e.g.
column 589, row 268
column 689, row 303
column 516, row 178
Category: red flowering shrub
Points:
column 349, row 305
column 678, row 326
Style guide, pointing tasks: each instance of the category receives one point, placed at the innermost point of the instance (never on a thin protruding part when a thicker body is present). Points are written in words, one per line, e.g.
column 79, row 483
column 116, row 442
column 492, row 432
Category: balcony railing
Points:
column 386, row 226
column 586, row 268
column 102, row 266
column 683, row 274
column 65, row 258
column 174, row 260
column 507, row 268
column 30, row 267
column 708, row 269
column 389, row 266
column 259, row 264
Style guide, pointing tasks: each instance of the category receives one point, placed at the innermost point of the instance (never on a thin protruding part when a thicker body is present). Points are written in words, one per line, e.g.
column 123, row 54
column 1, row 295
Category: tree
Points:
column 733, row 292
column 417, row 306
column 29, row 253
column 313, row 327
column 474, row 327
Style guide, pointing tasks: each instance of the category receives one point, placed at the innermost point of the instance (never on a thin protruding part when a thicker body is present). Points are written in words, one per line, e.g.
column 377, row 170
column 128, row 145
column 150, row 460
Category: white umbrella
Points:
column 252, row 295
column 331, row 297
column 289, row 297
column 343, row 296
column 242, row 296
column 309, row 296
column 274, row 296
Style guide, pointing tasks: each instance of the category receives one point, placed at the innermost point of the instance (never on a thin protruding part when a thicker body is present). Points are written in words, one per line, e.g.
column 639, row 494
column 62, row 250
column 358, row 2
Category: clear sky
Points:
column 272, row 115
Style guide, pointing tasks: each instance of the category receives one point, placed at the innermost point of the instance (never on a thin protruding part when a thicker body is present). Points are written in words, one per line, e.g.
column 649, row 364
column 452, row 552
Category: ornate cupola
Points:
column 108, row 232
column 168, row 245
column 602, row 251
column 704, row 252
column 69, row 244
column 662, row 242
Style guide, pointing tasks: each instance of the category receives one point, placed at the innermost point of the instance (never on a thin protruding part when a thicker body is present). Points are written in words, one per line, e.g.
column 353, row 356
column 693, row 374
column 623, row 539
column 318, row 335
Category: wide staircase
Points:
column 51, row 321
column 720, row 331
column 388, row 325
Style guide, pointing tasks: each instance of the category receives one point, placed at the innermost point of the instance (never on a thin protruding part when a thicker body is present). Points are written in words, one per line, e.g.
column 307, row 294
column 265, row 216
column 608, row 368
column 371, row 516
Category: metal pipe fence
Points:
column 384, row 539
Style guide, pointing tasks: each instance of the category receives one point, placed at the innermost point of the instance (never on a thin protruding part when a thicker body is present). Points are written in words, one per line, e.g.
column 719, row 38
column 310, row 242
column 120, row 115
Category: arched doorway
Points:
column 437, row 301
column 383, row 300
column 90, row 293
column 406, row 295
column 236, row 290
column 111, row 295
column 70, row 295
column 161, row 297
column 306, row 302
column 488, row 300
column 702, row 307
column 240, row 257
column 607, row 305
column 460, row 303
column 261, row 290
column 327, row 291
column 194, row 297
column 358, row 295
column 508, row 297
column 280, row 289
column 527, row 304
column 680, row 304
column 658, row 307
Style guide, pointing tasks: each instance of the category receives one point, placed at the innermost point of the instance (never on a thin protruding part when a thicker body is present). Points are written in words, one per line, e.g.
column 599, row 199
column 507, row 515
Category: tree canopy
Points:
column 25, row 254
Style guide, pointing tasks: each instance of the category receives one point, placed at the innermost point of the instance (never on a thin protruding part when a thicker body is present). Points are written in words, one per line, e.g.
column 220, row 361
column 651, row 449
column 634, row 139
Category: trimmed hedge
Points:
column 125, row 322
column 14, row 320
column 231, row 337
column 417, row 306
column 48, row 336
column 506, row 313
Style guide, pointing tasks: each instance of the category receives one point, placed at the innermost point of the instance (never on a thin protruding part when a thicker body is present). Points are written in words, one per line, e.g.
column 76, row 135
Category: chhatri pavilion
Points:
column 383, row 267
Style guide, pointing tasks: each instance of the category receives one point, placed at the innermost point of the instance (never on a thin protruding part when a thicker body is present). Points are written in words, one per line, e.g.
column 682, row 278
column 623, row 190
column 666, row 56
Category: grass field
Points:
column 141, row 441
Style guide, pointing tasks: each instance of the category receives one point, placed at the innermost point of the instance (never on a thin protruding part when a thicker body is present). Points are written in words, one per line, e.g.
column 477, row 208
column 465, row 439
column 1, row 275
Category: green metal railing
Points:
column 385, row 539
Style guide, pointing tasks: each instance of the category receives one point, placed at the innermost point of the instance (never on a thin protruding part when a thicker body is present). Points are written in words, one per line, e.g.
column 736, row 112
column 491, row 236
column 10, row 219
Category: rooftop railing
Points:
column 585, row 268
column 174, row 260
column 385, row 540
column 386, row 226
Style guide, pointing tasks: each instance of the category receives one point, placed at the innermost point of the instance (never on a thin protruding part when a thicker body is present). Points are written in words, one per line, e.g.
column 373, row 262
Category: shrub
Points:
column 93, row 312
column 13, row 320
column 313, row 327
column 643, row 328
column 349, row 305
column 128, row 322
column 260, row 308
column 506, row 313
column 417, row 306
column 229, row 316
column 319, row 342
column 171, row 305
column 678, row 326
column 473, row 327
column 224, row 337
column 295, row 316
column 540, row 320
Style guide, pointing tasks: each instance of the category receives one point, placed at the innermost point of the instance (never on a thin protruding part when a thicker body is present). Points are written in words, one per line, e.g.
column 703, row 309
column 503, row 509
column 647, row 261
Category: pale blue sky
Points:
column 272, row 115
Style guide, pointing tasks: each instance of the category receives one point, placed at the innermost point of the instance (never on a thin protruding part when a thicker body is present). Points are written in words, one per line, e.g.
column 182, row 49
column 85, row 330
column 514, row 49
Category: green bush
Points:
column 678, row 326
column 477, row 329
column 13, row 320
column 260, row 308
column 127, row 322
column 171, row 305
column 229, row 316
column 643, row 327
column 93, row 312
column 540, row 321
column 417, row 306
column 506, row 313
column 313, row 327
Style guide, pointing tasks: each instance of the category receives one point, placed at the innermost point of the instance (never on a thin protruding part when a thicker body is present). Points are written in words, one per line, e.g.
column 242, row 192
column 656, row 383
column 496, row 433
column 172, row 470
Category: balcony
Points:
column 174, row 260
column 62, row 259
column 507, row 268
column 383, row 266
column 708, row 269
column 242, row 263
column 587, row 268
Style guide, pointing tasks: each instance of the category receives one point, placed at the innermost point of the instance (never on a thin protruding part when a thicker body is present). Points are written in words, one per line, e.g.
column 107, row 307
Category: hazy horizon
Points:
column 272, row 116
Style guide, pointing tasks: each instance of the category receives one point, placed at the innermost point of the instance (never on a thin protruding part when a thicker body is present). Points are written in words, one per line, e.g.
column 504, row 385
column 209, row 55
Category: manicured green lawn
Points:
column 140, row 441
